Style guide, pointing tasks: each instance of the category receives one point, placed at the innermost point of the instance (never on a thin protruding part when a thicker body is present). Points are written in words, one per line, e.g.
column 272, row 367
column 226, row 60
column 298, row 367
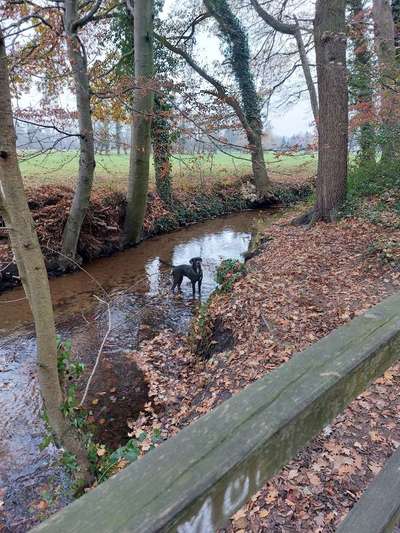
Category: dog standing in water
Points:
column 193, row 271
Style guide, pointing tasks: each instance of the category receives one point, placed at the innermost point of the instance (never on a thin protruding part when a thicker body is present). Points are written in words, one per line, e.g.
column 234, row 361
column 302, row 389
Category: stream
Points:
column 138, row 287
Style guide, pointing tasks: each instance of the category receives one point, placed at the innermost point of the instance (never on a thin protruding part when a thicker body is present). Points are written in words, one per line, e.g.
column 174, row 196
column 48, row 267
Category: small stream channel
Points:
column 138, row 287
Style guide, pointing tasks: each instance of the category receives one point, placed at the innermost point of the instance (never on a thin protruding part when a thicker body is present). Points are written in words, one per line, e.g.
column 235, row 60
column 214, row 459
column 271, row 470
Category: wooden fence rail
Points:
column 378, row 510
column 198, row 479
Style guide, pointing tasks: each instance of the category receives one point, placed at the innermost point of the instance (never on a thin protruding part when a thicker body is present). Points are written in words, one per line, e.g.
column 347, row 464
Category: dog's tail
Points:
column 165, row 263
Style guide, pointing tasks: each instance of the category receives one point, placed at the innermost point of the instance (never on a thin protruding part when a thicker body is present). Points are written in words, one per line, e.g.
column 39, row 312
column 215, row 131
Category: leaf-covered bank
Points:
column 102, row 228
column 304, row 283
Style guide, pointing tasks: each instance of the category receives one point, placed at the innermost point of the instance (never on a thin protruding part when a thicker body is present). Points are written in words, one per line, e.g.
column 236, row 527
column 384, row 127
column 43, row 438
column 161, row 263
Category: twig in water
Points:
column 99, row 352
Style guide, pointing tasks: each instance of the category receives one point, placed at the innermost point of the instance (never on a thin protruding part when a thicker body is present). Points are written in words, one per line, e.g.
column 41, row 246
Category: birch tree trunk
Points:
column 389, row 100
column 78, row 62
column 330, row 49
column 15, row 212
column 138, row 180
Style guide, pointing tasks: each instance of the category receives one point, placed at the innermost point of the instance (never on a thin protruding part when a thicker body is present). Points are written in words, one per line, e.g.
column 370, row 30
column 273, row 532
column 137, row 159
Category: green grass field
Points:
column 111, row 170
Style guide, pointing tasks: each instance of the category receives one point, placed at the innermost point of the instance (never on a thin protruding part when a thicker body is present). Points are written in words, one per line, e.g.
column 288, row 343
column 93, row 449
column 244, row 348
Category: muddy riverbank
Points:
column 141, row 305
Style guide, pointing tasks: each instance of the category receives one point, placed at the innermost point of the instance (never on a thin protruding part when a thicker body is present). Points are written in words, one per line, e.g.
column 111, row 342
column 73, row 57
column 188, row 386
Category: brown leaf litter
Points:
column 305, row 283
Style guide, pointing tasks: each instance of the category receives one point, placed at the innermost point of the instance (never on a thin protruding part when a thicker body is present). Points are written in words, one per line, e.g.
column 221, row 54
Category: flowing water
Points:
column 138, row 287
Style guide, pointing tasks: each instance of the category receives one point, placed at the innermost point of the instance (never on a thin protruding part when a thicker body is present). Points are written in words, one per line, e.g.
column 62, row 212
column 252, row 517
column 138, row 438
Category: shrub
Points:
column 367, row 179
column 229, row 271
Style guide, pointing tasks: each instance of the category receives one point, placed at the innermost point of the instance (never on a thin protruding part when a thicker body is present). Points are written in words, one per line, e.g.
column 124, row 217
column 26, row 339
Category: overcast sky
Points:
column 286, row 121
column 296, row 119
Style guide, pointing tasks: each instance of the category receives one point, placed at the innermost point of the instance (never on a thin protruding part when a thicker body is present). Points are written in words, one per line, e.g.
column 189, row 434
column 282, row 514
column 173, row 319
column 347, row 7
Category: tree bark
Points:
column 14, row 209
column 239, row 58
column 162, row 141
column 138, row 181
column 362, row 94
column 330, row 48
column 78, row 62
column 385, row 48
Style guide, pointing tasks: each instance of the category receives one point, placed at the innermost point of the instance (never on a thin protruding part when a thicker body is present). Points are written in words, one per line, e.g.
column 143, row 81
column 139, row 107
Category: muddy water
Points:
column 141, row 304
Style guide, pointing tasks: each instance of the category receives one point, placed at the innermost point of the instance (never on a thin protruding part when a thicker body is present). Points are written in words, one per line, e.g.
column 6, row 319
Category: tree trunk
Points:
column 80, row 203
column 396, row 21
column 239, row 58
column 138, row 183
column 118, row 137
column 385, row 48
column 106, row 137
column 361, row 79
column 261, row 180
column 162, row 140
column 14, row 209
column 307, row 74
column 330, row 48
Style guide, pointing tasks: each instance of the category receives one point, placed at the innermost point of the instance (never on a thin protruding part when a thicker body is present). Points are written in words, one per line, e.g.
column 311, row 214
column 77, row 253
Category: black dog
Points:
column 193, row 271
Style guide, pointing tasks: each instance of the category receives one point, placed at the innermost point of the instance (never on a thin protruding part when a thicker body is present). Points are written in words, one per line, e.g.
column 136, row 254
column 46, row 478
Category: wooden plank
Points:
column 197, row 480
column 378, row 510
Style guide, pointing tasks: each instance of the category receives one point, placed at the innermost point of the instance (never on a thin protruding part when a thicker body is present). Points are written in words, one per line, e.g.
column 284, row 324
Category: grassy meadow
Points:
column 188, row 170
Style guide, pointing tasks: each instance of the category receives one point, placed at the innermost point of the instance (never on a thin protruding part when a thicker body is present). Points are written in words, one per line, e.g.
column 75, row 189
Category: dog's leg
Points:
column 176, row 280
column 179, row 282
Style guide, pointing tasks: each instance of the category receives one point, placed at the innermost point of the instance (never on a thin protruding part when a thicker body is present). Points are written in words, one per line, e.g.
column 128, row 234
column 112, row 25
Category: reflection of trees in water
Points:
column 153, row 276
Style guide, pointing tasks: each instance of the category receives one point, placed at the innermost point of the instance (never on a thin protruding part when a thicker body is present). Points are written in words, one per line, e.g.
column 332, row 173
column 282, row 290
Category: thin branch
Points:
column 79, row 266
column 282, row 27
column 99, row 352
column 192, row 25
column 108, row 71
column 13, row 301
column 221, row 90
column 107, row 14
column 58, row 130
column 86, row 18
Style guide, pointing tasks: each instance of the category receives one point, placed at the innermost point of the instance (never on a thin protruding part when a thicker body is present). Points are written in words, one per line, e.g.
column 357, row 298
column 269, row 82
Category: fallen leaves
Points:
column 303, row 285
column 101, row 451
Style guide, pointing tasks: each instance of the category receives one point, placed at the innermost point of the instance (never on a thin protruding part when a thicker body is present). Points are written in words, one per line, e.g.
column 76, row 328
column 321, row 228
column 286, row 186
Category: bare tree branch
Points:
column 58, row 130
column 221, row 90
column 86, row 18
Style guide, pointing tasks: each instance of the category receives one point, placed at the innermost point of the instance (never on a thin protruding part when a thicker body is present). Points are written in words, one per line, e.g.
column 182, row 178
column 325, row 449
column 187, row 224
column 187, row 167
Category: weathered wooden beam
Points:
column 378, row 510
column 195, row 481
